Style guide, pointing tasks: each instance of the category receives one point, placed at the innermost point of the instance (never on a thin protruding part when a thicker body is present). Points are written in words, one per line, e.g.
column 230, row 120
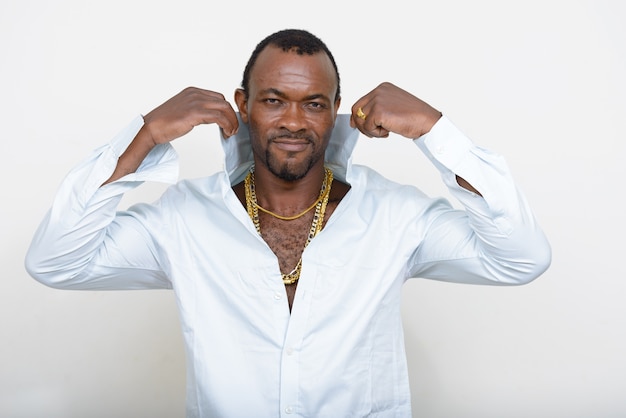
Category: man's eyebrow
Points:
column 316, row 96
column 282, row 95
column 274, row 91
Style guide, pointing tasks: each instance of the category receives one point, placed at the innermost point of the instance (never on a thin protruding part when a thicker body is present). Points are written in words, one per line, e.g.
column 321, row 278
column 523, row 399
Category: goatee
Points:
column 286, row 171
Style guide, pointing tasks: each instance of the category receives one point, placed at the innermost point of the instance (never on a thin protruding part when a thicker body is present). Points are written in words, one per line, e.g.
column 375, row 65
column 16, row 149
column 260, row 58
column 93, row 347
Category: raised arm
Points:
column 173, row 119
column 388, row 108
column 83, row 242
column 496, row 239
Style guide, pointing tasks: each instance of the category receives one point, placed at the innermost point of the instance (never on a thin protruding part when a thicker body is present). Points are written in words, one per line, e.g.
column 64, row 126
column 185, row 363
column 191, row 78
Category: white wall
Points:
column 541, row 82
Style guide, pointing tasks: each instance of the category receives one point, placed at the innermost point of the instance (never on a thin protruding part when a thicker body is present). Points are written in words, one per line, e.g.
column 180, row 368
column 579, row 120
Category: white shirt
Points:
column 340, row 353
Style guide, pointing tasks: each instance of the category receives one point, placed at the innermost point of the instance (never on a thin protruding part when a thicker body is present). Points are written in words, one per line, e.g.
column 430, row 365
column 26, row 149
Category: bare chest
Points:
column 288, row 239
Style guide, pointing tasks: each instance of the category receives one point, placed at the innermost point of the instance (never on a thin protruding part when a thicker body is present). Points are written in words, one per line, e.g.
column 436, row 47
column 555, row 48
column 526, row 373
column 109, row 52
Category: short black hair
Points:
column 301, row 41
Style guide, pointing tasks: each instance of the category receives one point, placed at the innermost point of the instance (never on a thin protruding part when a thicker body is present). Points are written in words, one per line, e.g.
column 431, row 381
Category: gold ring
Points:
column 360, row 114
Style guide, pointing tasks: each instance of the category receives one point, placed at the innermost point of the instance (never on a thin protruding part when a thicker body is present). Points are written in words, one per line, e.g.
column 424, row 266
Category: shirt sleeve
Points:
column 82, row 243
column 495, row 239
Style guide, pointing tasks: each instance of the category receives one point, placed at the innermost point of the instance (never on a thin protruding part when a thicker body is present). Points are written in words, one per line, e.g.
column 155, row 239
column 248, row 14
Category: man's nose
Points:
column 293, row 118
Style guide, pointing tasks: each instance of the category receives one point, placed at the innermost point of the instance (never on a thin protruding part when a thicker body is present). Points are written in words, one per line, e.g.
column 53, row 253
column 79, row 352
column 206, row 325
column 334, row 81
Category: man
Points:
column 288, row 266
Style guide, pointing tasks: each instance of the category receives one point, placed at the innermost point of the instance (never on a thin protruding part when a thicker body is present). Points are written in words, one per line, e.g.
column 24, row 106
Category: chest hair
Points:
column 286, row 239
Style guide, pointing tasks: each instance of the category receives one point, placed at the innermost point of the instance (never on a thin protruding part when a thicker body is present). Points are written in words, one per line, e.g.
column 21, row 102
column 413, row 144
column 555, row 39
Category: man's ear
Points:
column 242, row 104
column 337, row 104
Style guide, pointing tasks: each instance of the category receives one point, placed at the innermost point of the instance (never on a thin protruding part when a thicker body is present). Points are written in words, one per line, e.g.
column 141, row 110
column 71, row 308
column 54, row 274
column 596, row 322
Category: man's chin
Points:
column 289, row 175
column 290, row 172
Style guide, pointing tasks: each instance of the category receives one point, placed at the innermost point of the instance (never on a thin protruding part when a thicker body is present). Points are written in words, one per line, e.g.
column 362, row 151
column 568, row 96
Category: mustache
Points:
column 291, row 135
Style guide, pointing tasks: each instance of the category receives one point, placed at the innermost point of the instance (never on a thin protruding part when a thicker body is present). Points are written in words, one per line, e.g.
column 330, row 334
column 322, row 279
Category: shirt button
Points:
column 277, row 296
column 289, row 410
column 289, row 351
column 440, row 150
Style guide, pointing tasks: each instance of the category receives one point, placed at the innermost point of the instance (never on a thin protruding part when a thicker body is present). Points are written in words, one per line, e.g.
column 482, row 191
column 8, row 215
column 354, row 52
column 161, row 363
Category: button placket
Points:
column 290, row 379
column 292, row 345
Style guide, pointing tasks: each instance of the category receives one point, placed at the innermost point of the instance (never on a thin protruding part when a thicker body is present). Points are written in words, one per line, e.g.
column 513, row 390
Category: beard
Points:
column 289, row 170
column 291, row 167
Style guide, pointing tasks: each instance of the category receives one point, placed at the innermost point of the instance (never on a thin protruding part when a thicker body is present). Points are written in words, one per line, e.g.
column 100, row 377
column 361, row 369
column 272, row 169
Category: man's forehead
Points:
column 284, row 68
column 275, row 56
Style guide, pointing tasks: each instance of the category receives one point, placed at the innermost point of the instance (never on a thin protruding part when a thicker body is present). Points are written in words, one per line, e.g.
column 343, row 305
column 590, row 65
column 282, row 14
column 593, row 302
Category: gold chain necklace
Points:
column 293, row 217
column 288, row 218
column 316, row 225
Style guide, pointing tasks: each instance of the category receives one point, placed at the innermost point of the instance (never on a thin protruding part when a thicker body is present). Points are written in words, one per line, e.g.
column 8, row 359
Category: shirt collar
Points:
column 238, row 151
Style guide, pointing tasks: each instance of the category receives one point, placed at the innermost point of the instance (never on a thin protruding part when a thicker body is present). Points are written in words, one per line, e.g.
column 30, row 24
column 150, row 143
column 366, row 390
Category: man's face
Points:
column 290, row 110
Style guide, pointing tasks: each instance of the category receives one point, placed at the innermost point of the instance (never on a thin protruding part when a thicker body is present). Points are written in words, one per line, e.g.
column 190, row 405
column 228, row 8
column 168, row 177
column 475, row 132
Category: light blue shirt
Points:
column 340, row 353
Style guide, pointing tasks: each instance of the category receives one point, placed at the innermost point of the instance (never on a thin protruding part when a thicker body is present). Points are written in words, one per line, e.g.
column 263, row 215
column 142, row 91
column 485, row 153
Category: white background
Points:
column 541, row 82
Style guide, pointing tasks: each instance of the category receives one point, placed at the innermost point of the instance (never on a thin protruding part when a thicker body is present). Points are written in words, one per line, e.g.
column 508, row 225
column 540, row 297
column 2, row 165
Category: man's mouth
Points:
column 291, row 144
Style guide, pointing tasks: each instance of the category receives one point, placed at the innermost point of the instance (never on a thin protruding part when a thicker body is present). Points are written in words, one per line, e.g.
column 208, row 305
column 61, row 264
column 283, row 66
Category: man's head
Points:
column 300, row 41
column 289, row 99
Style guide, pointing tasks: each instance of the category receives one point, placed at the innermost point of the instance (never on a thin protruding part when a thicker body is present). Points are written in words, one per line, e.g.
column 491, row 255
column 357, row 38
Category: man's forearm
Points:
column 131, row 158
